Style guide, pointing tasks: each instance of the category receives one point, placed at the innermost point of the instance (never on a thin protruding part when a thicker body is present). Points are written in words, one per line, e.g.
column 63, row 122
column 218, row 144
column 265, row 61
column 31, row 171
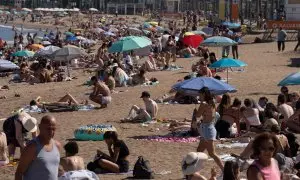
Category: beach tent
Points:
column 130, row 43
column 192, row 86
column 6, row 65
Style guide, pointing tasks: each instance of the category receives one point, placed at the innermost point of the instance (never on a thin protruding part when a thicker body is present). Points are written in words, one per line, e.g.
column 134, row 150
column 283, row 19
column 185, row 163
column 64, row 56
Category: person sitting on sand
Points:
column 293, row 122
column 250, row 114
column 139, row 78
column 71, row 162
column 186, row 52
column 150, row 64
column 161, row 60
column 137, row 114
column 3, row 150
column 285, row 110
column 229, row 114
column 109, row 81
column 116, row 161
column 283, row 147
column 203, row 70
column 120, row 76
column 101, row 93
column 191, row 165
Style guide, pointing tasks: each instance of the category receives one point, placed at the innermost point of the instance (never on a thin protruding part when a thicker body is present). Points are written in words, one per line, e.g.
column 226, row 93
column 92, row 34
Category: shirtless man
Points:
column 71, row 162
column 101, row 93
column 285, row 110
column 137, row 114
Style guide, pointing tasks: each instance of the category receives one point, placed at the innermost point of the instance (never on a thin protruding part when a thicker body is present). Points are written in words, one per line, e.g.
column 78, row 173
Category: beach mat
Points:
column 232, row 145
column 169, row 139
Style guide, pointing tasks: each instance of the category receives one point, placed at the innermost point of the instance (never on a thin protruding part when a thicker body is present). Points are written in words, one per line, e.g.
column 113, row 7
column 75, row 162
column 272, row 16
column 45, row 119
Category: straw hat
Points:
column 28, row 122
column 193, row 162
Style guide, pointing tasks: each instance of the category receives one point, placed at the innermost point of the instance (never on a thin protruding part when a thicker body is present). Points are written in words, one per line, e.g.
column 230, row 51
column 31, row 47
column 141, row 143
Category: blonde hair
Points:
column 3, row 147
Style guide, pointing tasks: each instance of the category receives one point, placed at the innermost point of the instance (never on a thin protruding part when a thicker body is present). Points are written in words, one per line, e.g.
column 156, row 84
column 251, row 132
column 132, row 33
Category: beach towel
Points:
column 168, row 138
column 233, row 145
column 78, row 175
column 172, row 68
column 150, row 83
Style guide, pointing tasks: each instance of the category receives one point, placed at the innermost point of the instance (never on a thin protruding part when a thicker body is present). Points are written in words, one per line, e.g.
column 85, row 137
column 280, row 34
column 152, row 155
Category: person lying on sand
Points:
column 71, row 162
column 65, row 101
column 137, row 114
column 101, row 93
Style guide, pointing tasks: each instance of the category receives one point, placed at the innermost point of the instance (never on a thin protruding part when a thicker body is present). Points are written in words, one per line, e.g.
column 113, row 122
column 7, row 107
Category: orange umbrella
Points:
column 36, row 46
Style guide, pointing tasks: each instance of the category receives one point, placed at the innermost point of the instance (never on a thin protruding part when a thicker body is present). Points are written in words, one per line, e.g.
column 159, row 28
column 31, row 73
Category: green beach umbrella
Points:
column 129, row 43
column 24, row 53
column 69, row 34
column 291, row 79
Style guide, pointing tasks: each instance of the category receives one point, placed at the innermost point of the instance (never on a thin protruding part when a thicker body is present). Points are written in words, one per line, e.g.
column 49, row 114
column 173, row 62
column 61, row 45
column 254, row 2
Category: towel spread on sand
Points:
column 172, row 68
column 233, row 145
column 168, row 139
column 36, row 109
column 150, row 83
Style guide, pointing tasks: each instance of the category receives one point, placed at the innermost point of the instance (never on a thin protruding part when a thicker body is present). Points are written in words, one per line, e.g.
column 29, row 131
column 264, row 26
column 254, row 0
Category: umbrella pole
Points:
column 227, row 76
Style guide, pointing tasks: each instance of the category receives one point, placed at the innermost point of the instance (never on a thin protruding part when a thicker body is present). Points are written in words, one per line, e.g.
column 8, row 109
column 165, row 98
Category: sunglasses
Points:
column 270, row 149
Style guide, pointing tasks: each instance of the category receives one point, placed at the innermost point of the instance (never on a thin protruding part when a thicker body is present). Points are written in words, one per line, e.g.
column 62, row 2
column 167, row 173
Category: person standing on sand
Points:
column 101, row 93
column 40, row 159
column 281, row 36
column 298, row 37
column 208, row 133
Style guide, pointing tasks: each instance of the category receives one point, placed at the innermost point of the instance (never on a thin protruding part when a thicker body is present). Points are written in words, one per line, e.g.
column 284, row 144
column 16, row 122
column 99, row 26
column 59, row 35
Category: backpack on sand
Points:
column 142, row 169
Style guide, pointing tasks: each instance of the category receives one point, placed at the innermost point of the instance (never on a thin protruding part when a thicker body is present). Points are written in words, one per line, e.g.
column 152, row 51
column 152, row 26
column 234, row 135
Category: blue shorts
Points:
column 208, row 131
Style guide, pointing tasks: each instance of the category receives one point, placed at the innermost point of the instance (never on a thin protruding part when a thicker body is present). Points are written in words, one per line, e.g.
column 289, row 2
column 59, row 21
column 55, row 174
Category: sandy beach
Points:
column 266, row 67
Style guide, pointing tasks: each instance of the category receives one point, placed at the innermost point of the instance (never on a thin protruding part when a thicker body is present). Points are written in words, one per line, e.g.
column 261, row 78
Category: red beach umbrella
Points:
column 193, row 40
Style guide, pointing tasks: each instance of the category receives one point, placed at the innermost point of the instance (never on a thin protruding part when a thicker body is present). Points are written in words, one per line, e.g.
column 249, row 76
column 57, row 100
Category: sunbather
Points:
column 71, row 162
column 66, row 101
column 137, row 114
column 101, row 93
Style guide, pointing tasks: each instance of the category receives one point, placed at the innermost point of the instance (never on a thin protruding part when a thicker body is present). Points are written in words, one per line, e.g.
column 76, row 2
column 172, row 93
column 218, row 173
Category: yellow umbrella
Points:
column 188, row 34
column 36, row 46
column 153, row 23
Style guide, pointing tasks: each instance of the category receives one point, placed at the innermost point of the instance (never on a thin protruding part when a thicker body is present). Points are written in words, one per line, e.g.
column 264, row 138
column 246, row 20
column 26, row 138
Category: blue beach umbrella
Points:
column 291, row 79
column 192, row 86
column 147, row 25
column 218, row 41
column 228, row 63
column 7, row 65
column 24, row 53
column 129, row 43
column 71, row 38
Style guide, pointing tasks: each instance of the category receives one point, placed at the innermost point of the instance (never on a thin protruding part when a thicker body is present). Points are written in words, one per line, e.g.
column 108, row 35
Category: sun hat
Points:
column 28, row 122
column 193, row 162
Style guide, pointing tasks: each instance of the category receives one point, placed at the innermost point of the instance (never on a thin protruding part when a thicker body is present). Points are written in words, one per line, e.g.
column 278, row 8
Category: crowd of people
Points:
column 272, row 147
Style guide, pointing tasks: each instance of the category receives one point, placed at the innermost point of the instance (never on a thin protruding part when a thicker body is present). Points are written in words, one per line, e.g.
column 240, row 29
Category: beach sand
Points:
column 266, row 67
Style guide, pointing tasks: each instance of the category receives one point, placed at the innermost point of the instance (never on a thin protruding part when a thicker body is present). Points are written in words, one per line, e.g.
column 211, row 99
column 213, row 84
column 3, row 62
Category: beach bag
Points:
column 142, row 169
